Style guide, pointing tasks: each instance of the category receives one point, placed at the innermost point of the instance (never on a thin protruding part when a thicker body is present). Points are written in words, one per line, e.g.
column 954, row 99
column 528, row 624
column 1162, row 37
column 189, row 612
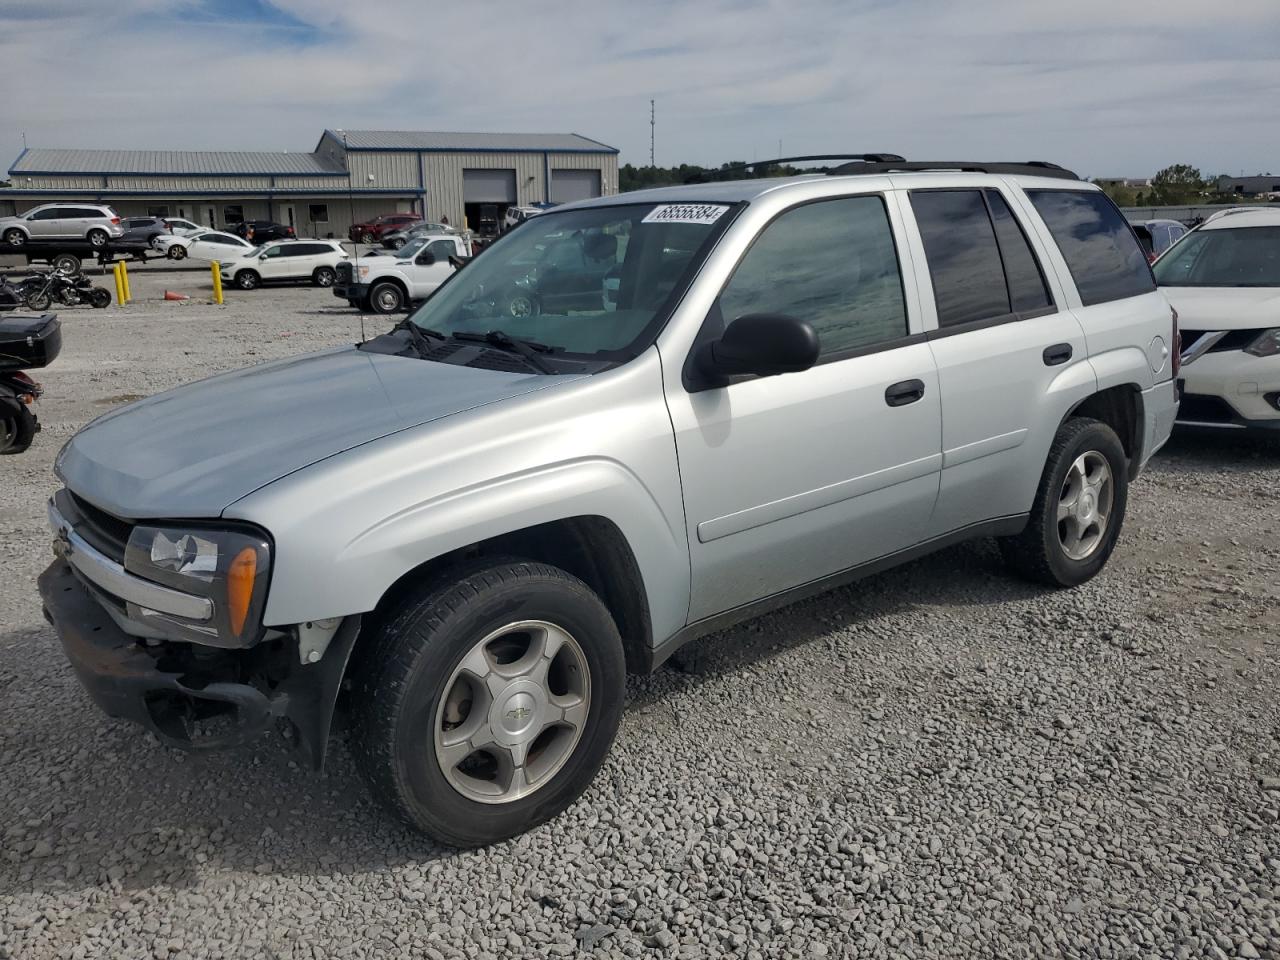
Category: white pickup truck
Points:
column 388, row 283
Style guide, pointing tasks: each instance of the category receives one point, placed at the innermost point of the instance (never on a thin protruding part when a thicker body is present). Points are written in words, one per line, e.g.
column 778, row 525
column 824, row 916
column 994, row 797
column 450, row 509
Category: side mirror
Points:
column 759, row 344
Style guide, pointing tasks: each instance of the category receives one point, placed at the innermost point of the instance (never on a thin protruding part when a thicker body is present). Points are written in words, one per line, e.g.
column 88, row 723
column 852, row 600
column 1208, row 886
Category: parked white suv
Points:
column 313, row 260
column 1224, row 280
column 732, row 395
column 93, row 222
column 388, row 283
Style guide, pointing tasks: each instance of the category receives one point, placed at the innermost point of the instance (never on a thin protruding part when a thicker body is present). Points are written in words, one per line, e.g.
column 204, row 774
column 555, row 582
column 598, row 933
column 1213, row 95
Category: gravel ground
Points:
column 939, row 761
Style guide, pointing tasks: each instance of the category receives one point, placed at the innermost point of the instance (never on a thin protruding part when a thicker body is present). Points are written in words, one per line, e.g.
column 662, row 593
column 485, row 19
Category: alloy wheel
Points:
column 512, row 712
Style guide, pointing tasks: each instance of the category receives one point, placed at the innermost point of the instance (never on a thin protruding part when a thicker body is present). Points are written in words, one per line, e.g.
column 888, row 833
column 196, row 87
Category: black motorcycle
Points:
column 45, row 289
column 26, row 342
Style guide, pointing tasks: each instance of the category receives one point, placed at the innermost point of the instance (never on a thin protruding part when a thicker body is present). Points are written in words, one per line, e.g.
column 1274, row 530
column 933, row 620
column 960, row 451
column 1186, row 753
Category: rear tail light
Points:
column 1176, row 340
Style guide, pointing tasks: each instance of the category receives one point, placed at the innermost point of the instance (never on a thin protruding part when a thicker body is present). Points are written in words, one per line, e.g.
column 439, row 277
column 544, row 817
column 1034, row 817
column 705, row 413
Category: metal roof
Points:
column 469, row 142
column 174, row 163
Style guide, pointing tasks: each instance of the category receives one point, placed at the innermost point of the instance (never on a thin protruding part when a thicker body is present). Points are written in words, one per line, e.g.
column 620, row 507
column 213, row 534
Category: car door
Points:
column 1011, row 358
column 789, row 480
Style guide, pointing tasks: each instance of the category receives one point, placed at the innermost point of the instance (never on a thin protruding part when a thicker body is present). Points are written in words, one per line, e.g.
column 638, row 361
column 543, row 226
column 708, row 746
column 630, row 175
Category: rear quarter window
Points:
column 1102, row 253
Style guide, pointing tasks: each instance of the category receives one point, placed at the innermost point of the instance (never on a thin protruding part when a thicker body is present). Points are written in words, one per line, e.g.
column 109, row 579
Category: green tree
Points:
column 1176, row 185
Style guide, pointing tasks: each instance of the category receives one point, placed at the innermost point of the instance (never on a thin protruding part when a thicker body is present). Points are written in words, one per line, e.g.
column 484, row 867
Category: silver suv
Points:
column 733, row 395
column 93, row 222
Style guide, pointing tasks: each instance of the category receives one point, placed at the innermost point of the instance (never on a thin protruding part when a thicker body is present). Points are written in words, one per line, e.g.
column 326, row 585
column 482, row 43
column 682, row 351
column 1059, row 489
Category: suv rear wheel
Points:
column 486, row 703
column 1078, row 510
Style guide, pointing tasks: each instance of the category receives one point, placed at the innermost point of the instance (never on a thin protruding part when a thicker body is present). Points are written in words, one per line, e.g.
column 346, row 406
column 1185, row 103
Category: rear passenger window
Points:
column 1104, row 256
column 964, row 260
column 1028, row 292
column 831, row 263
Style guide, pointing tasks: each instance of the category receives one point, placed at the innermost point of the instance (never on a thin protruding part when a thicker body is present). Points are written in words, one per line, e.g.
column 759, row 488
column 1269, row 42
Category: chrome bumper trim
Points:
column 103, row 572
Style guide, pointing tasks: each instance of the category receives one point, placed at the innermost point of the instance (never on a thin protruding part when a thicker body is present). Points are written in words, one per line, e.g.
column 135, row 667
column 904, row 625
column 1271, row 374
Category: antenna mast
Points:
column 651, row 133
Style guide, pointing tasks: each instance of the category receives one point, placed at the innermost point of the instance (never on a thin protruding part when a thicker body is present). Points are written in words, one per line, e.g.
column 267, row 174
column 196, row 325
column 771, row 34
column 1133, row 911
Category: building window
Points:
column 318, row 213
column 233, row 213
column 162, row 211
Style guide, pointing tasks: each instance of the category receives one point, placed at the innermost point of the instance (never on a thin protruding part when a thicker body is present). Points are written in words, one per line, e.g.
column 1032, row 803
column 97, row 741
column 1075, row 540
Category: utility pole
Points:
column 651, row 133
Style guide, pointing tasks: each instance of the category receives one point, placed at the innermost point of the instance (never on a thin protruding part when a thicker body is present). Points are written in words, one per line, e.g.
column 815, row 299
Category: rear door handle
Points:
column 1057, row 354
column 904, row 392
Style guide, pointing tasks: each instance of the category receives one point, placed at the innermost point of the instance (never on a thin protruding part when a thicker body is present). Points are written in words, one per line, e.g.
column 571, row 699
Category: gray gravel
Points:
column 939, row 761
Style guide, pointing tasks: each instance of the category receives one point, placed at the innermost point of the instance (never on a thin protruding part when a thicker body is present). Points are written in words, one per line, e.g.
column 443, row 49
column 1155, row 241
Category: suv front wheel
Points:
column 1078, row 510
column 486, row 703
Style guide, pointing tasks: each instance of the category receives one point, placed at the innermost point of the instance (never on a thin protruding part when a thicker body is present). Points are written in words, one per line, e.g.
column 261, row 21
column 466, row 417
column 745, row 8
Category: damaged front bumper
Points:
column 173, row 688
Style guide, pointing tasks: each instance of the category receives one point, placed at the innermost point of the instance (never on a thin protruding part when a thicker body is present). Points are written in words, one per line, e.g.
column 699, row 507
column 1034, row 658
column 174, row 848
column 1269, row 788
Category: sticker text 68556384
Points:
column 685, row 213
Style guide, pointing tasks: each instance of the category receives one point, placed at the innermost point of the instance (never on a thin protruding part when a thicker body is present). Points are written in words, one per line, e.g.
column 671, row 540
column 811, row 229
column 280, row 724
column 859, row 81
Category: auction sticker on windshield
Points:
column 685, row 213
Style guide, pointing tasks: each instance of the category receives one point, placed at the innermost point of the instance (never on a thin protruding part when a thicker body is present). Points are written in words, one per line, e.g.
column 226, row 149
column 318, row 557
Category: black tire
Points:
column 1038, row 554
column 67, row 263
column 386, row 298
column 39, row 300
column 176, row 252
column 97, row 238
column 368, row 237
column 15, row 238
column 401, row 674
column 16, row 431
column 100, row 297
column 247, row 279
column 323, row 276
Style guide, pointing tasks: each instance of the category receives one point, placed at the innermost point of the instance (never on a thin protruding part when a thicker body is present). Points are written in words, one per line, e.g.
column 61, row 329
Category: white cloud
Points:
column 1106, row 88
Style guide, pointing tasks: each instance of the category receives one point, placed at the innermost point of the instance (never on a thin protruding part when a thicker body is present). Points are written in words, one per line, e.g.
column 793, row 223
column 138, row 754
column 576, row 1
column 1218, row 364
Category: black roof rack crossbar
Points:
column 1035, row 168
column 864, row 157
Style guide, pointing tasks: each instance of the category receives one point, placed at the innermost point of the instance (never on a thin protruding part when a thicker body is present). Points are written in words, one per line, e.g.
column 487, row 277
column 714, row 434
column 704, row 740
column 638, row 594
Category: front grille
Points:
column 1200, row 408
column 1234, row 340
column 105, row 532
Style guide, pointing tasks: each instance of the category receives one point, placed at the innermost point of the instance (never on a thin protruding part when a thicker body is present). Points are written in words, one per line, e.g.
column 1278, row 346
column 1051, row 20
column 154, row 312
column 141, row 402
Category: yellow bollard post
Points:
column 216, row 269
column 124, row 272
column 119, row 284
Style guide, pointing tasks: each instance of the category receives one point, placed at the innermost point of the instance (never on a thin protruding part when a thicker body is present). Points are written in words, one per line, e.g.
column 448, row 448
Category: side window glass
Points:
column 1102, row 253
column 1028, row 291
column 964, row 260
column 831, row 263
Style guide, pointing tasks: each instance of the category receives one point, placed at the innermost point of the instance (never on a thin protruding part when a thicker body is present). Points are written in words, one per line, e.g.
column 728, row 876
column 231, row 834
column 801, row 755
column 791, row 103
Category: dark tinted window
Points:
column 1104, row 256
column 831, row 263
column 1027, row 289
column 964, row 261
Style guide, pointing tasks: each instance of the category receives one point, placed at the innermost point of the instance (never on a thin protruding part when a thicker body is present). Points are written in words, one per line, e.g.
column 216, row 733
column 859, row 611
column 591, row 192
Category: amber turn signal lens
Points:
column 244, row 568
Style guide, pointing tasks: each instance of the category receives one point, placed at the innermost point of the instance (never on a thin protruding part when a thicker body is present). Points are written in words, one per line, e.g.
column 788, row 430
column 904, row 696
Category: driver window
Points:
column 831, row 263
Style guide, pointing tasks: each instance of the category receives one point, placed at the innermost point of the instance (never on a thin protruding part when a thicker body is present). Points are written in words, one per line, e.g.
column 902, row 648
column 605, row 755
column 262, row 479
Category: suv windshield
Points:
column 1226, row 257
column 591, row 281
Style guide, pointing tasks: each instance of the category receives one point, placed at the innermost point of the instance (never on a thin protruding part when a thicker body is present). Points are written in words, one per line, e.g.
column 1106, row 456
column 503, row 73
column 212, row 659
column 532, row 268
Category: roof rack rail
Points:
column 707, row 175
column 1037, row 168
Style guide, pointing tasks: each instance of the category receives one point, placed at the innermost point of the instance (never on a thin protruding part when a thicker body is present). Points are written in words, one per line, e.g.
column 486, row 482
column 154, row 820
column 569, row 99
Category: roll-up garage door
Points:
column 570, row 185
column 488, row 186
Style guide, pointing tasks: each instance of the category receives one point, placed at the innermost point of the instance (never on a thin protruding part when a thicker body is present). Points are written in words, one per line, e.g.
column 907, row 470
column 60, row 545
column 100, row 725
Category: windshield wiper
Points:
column 529, row 349
column 418, row 335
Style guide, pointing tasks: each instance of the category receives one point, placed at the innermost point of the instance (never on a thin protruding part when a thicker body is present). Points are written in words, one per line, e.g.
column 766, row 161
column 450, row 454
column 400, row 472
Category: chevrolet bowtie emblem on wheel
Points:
column 518, row 714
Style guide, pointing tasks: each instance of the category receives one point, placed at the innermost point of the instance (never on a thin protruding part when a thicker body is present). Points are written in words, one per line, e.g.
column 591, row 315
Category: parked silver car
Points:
column 731, row 396
column 94, row 222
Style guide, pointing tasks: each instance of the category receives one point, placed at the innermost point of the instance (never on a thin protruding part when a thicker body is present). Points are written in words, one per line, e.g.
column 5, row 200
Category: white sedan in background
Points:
column 206, row 245
column 1223, row 278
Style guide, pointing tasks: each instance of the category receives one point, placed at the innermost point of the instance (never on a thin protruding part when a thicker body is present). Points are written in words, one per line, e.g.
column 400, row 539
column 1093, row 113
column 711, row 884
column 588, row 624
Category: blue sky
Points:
column 1105, row 88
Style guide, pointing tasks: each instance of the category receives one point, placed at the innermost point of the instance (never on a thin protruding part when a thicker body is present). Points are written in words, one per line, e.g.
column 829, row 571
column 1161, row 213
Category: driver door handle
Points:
column 904, row 392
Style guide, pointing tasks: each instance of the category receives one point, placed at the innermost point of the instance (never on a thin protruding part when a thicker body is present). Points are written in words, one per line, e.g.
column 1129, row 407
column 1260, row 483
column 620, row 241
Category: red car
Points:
column 372, row 231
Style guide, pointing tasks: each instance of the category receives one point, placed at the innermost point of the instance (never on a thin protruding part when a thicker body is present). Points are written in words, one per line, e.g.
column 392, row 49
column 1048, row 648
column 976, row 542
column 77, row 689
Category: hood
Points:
column 1225, row 308
column 193, row 451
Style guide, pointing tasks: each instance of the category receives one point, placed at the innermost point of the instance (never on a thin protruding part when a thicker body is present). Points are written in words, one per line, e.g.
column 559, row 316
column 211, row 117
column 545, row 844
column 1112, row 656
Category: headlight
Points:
column 228, row 567
column 1267, row 345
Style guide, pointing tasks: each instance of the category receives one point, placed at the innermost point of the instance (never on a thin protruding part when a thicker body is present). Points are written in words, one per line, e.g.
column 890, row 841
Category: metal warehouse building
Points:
column 350, row 174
